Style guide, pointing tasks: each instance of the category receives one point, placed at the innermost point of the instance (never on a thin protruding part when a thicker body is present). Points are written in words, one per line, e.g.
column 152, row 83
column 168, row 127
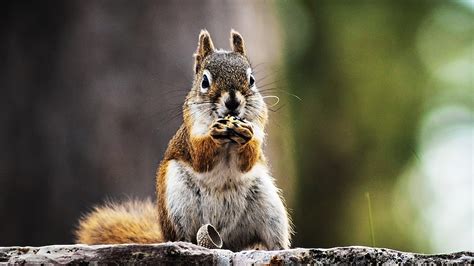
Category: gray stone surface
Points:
column 186, row 253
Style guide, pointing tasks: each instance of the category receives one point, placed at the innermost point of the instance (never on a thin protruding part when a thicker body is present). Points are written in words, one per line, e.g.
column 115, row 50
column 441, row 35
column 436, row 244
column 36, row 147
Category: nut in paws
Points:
column 231, row 129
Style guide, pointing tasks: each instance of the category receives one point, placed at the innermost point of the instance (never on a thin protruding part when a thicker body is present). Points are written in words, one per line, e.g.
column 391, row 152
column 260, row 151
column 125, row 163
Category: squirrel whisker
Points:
column 274, row 97
column 281, row 90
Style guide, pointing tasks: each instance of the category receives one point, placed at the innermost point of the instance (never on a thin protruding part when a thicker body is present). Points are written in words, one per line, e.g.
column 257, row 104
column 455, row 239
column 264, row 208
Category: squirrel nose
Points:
column 232, row 104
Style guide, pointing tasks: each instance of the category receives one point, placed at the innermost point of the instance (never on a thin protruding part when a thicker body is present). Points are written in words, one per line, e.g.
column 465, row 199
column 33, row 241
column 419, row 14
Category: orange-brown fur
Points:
column 249, row 154
column 166, row 225
column 204, row 152
column 131, row 222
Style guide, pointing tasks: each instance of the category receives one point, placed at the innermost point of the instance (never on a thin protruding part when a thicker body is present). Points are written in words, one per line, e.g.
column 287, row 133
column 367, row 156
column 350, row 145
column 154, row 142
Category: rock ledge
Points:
column 186, row 253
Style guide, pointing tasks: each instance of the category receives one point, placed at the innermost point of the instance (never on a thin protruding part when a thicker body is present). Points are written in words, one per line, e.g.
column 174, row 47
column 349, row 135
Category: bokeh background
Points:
column 371, row 139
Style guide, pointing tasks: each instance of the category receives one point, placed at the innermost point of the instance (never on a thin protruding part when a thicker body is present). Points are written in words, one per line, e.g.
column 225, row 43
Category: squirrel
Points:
column 213, row 171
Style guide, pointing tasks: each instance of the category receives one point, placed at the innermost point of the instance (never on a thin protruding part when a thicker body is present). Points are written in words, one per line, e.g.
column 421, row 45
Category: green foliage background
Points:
column 358, row 68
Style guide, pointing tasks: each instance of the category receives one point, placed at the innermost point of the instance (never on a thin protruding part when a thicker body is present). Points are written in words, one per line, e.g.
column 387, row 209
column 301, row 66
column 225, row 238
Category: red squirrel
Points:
column 213, row 171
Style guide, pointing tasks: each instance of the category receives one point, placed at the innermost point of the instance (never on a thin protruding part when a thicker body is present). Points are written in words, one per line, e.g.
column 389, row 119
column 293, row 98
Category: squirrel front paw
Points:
column 220, row 132
column 231, row 129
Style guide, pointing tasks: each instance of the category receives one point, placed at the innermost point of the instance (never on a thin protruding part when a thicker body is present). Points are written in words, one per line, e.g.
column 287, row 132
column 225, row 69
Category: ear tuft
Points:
column 205, row 48
column 205, row 45
column 237, row 42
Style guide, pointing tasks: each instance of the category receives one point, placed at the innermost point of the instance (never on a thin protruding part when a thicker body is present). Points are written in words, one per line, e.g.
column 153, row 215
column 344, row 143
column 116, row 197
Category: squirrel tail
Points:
column 129, row 222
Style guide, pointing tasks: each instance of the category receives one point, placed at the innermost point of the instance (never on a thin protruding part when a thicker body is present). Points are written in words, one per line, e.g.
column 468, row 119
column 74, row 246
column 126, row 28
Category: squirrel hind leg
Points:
column 128, row 222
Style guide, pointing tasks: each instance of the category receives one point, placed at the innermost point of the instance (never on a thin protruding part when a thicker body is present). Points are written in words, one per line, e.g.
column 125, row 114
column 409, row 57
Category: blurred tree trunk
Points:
column 91, row 93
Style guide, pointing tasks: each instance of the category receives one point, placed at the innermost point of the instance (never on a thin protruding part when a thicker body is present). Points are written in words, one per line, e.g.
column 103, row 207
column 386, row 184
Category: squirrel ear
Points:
column 205, row 48
column 237, row 42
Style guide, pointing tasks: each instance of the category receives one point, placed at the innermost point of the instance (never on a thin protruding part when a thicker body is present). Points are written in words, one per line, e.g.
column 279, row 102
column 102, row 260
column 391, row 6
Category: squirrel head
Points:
column 224, row 84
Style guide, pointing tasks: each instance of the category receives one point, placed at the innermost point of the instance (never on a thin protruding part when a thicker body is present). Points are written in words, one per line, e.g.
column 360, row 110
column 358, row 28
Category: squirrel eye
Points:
column 251, row 81
column 205, row 84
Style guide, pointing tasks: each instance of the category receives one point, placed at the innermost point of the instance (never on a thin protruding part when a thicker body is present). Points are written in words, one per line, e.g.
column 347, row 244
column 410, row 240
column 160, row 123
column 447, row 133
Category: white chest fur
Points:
column 222, row 197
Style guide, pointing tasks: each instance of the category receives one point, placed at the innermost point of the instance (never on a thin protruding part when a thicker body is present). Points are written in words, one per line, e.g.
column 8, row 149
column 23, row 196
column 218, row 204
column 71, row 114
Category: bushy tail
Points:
column 128, row 222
